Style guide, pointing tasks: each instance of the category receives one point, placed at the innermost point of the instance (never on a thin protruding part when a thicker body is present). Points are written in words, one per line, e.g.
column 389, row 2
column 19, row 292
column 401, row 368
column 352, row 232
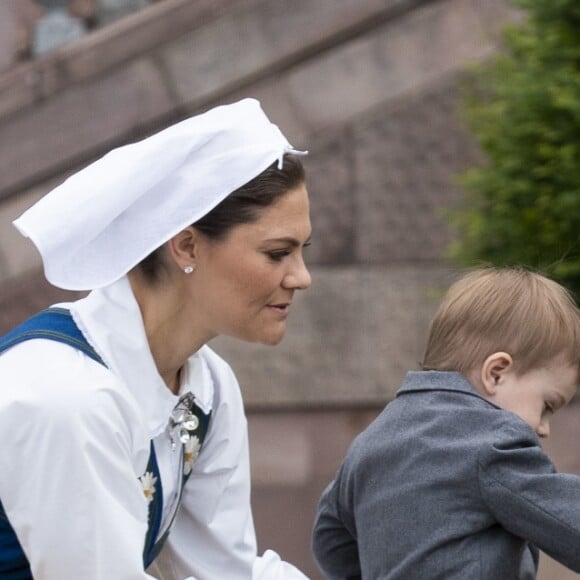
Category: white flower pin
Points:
column 190, row 452
column 182, row 421
column 148, row 484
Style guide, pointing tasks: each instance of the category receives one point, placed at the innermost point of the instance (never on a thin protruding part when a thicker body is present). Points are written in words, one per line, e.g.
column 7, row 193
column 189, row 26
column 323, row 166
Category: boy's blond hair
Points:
column 513, row 310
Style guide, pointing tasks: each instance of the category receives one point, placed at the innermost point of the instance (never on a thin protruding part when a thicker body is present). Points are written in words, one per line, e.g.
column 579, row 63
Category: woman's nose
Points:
column 299, row 278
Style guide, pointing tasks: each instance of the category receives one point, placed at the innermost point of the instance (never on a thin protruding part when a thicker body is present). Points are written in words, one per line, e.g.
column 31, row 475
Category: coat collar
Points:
column 111, row 321
column 437, row 381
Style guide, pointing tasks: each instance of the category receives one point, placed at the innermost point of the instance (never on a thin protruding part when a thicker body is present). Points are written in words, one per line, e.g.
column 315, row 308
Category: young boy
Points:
column 450, row 481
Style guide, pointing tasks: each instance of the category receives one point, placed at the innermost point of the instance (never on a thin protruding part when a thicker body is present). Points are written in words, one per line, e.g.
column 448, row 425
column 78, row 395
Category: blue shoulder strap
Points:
column 52, row 324
column 57, row 324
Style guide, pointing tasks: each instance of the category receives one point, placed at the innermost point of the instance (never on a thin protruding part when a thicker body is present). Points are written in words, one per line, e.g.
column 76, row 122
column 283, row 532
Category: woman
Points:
column 139, row 428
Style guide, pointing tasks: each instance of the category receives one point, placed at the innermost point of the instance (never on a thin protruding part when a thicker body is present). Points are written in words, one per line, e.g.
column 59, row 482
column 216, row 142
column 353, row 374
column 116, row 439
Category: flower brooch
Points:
column 190, row 453
column 182, row 424
column 148, row 481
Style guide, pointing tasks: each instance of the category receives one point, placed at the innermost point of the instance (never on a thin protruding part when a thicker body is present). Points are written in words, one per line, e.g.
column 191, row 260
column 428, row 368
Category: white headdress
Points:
column 103, row 220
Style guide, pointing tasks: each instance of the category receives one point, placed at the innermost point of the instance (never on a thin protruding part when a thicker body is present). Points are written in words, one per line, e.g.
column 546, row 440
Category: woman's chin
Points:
column 272, row 339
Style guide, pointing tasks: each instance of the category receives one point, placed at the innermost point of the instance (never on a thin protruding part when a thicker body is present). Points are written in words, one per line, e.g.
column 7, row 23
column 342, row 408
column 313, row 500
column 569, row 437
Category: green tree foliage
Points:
column 523, row 106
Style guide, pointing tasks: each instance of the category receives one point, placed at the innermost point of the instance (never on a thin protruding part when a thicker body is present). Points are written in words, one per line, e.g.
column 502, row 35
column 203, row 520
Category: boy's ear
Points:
column 494, row 368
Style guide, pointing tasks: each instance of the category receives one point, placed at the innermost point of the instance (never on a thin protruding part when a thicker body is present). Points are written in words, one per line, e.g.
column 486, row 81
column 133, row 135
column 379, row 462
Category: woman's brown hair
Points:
column 239, row 207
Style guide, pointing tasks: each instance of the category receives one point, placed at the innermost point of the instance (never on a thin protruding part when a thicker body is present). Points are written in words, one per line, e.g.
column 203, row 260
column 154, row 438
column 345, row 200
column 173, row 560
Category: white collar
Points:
column 111, row 322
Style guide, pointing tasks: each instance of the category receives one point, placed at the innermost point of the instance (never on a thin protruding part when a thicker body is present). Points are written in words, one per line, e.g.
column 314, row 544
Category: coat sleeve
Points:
column 334, row 541
column 528, row 497
column 68, row 483
column 213, row 535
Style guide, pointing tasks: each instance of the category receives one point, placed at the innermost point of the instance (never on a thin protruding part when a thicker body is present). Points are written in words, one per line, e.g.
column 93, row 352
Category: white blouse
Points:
column 74, row 439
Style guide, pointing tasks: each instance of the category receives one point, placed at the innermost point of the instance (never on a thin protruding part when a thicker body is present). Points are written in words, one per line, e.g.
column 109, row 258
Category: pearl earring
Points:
column 189, row 269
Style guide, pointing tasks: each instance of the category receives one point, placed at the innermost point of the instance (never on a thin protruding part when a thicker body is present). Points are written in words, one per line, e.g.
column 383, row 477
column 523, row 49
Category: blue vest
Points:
column 57, row 324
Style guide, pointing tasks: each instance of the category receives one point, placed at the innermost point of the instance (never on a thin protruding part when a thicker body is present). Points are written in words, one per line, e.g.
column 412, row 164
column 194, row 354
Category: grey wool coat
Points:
column 444, row 485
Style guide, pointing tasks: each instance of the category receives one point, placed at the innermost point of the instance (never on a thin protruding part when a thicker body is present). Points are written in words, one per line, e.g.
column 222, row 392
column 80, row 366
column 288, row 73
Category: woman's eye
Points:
column 278, row 255
column 548, row 408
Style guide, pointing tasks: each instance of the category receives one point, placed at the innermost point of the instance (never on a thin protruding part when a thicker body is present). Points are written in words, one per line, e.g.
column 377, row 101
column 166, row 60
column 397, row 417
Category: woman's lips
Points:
column 281, row 309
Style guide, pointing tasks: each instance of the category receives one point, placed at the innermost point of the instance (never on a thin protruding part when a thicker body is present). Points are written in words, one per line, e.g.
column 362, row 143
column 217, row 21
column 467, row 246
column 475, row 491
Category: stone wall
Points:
column 368, row 87
column 31, row 28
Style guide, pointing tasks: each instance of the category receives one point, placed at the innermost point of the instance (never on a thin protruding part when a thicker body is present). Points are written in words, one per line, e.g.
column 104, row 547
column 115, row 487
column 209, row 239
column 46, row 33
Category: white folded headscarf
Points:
column 103, row 220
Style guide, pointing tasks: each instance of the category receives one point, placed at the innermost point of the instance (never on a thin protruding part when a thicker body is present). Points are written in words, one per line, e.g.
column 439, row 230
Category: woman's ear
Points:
column 493, row 370
column 182, row 248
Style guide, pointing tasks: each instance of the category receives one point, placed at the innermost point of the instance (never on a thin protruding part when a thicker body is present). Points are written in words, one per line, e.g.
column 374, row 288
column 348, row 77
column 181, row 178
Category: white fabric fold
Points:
column 103, row 220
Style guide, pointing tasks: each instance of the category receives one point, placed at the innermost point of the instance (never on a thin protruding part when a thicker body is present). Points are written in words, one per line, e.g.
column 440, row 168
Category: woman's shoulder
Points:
column 55, row 395
column 45, row 375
